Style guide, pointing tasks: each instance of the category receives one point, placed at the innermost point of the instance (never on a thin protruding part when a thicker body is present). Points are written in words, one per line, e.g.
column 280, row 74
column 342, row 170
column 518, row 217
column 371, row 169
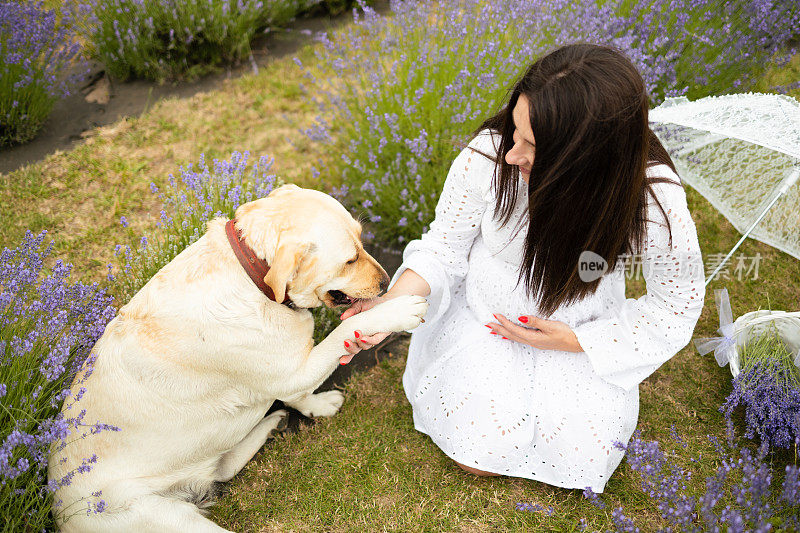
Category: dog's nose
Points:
column 384, row 282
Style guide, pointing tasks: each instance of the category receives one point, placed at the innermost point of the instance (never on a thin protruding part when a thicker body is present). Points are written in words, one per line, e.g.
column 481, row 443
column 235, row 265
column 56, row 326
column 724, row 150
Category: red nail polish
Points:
column 488, row 326
column 523, row 319
column 342, row 363
column 493, row 332
column 346, row 344
column 495, row 317
column 356, row 334
column 506, row 338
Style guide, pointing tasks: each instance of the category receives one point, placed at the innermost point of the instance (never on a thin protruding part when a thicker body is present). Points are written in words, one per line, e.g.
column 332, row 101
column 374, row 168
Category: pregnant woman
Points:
column 527, row 364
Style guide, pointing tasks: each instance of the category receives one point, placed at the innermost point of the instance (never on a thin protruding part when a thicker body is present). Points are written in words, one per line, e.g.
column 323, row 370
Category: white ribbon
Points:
column 723, row 346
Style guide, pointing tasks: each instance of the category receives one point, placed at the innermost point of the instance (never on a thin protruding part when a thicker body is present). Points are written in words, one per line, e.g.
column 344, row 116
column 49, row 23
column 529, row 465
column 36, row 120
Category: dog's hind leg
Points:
column 322, row 404
column 150, row 513
column 162, row 514
column 238, row 456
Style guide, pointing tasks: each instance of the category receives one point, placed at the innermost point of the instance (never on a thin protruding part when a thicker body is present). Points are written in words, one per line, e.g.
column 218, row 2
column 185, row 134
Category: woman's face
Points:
column 521, row 154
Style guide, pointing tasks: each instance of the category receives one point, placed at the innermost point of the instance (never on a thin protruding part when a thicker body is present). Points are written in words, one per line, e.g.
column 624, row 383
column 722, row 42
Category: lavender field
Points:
column 373, row 113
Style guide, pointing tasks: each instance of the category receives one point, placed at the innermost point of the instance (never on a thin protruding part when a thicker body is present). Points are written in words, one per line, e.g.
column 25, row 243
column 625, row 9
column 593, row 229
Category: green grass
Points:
column 366, row 468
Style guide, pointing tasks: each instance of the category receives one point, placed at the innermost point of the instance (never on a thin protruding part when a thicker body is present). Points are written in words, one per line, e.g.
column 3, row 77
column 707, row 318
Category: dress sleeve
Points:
column 645, row 332
column 440, row 255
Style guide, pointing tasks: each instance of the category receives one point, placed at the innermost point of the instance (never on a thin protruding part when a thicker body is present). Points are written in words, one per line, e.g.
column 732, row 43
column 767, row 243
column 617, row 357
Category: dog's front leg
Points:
column 398, row 314
column 237, row 457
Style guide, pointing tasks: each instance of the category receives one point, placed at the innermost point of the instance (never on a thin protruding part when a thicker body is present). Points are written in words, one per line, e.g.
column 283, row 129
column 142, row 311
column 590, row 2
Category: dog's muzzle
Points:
column 340, row 298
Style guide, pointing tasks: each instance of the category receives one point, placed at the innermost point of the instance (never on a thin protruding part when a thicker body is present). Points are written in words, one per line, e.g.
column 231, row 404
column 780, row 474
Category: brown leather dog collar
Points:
column 256, row 268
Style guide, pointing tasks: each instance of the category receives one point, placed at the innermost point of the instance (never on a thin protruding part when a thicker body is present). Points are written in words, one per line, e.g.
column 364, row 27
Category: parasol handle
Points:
column 790, row 180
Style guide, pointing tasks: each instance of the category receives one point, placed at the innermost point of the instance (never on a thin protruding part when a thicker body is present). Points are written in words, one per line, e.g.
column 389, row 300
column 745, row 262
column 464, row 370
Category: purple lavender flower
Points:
column 47, row 330
column 155, row 39
column 411, row 90
column 622, row 522
column 742, row 483
column 772, row 410
column 189, row 202
column 593, row 497
column 37, row 47
column 531, row 507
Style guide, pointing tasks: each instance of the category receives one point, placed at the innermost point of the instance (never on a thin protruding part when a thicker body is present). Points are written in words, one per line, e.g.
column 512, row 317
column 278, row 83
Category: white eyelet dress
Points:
column 508, row 408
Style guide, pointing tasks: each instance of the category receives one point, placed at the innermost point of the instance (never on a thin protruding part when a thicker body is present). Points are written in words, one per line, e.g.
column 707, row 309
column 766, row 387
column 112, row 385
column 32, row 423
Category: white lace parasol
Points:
column 742, row 153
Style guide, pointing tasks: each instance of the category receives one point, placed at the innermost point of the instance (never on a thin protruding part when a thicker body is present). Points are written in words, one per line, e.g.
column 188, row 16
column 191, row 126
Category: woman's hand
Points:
column 539, row 333
column 359, row 342
column 409, row 282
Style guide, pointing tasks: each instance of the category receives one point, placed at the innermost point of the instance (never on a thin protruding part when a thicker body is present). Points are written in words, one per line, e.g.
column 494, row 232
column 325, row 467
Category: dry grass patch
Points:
column 79, row 196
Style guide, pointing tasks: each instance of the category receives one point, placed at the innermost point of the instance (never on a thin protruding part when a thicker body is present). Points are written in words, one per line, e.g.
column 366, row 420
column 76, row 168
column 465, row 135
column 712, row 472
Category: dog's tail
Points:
column 203, row 495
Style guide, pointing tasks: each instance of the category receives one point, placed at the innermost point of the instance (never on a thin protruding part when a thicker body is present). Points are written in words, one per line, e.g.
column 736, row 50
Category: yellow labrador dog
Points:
column 192, row 363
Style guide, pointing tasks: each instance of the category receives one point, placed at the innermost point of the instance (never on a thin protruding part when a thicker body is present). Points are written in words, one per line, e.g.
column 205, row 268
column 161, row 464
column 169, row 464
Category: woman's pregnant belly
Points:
column 491, row 286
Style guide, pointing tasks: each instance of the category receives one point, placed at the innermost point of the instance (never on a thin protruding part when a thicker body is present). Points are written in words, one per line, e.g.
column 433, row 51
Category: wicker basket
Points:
column 748, row 327
column 752, row 325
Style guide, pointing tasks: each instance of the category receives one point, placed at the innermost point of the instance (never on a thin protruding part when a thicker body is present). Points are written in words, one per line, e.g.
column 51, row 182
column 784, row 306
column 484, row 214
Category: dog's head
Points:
column 313, row 247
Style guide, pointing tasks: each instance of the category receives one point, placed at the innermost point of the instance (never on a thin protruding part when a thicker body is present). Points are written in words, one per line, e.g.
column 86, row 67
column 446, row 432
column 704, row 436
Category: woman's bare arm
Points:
column 409, row 282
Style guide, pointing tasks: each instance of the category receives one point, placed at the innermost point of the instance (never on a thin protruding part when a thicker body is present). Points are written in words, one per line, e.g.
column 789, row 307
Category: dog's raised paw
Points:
column 399, row 314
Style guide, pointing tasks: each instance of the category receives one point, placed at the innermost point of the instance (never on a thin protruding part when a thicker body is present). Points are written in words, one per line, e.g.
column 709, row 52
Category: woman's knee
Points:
column 475, row 471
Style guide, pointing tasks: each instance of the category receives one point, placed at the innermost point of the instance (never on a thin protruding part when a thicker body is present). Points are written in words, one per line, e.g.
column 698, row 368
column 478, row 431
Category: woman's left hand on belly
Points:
column 538, row 332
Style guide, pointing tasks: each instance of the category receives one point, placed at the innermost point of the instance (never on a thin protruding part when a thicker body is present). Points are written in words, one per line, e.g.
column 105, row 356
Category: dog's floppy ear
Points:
column 283, row 267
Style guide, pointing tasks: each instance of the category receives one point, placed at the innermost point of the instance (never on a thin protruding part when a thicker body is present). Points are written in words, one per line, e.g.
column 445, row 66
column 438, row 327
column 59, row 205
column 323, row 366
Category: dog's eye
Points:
column 352, row 260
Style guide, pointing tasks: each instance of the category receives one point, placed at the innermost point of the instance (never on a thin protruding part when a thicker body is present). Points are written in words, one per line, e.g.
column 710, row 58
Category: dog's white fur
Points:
column 192, row 363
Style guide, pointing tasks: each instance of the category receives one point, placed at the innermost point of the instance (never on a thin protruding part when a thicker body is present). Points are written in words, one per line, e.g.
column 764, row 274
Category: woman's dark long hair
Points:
column 587, row 189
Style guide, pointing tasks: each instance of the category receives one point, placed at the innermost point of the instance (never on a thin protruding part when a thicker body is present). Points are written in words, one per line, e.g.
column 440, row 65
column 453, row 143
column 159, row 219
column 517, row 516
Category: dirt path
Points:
column 73, row 116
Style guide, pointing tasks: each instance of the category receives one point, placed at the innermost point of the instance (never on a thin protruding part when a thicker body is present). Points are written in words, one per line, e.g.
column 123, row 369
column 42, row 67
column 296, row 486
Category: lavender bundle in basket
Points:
column 768, row 388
